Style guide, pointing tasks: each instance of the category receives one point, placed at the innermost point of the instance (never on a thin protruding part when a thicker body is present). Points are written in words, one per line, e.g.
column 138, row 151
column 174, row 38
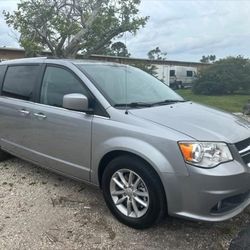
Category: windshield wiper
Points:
column 167, row 102
column 147, row 104
column 134, row 104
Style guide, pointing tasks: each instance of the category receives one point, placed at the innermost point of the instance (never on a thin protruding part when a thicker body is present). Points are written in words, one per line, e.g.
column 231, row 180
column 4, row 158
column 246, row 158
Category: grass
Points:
column 231, row 103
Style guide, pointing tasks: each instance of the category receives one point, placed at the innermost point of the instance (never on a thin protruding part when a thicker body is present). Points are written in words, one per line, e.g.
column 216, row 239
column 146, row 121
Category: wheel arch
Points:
column 108, row 157
column 116, row 153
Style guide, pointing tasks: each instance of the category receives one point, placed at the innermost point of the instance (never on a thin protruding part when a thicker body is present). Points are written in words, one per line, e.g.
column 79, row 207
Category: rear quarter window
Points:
column 20, row 81
column 2, row 72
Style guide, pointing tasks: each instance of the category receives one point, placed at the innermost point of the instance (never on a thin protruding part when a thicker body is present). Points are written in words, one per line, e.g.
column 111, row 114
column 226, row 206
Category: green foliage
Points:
column 119, row 49
column 67, row 27
column 116, row 49
column 208, row 59
column 225, row 76
column 157, row 54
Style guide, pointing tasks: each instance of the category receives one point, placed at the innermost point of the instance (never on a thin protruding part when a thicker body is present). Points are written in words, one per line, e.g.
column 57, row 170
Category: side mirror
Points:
column 77, row 102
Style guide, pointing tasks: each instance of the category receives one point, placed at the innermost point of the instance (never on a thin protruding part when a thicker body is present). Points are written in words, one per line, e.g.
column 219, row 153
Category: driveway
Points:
column 42, row 210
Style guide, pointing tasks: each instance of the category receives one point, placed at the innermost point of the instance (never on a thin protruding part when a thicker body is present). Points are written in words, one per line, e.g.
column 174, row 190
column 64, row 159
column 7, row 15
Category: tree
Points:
column 120, row 49
column 67, row 27
column 116, row 49
column 157, row 54
column 224, row 77
column 208, row 59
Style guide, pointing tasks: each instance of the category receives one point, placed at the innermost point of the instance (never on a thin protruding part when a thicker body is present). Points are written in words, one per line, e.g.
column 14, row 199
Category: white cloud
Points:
column 8, row 37
column 186, row 29
column 189, row 29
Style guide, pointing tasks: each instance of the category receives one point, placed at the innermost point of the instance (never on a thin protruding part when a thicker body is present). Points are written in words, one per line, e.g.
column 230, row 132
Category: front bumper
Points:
column 209, row 194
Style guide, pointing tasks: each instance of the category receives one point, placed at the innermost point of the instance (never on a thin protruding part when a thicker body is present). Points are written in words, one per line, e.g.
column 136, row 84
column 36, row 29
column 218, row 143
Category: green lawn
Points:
column 231, row 103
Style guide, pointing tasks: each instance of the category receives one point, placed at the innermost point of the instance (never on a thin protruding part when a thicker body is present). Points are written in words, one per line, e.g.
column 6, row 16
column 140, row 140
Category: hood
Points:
column 197, row 121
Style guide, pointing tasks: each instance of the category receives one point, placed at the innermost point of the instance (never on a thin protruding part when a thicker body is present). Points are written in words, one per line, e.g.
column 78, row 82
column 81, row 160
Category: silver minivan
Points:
column 150, row 151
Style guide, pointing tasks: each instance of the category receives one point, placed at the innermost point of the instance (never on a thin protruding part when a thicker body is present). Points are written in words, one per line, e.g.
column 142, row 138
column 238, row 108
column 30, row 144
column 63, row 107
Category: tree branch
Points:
column 73, row 47
column 46, row 40
column 104, row 41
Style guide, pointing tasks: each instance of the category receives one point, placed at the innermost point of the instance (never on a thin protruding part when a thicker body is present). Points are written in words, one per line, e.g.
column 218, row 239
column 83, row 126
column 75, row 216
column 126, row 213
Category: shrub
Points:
column 224, row 77
column 209, row 88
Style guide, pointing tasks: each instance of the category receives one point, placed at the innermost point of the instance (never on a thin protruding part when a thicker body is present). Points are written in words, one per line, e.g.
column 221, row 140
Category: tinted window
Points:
column 2, row 71
column 189, row 73
column 57, row 83
column 20, row 81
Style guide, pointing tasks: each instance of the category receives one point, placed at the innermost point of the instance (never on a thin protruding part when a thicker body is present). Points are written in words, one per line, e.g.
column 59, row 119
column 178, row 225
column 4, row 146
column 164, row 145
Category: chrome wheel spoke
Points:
column 140, row 193
column 122, row 178
column 137, row 183
column 135, row 208
column 121, row 200
column 118, row 192
column 141, row 202
column 118, row 183
column 130, row 178
column 128, row 207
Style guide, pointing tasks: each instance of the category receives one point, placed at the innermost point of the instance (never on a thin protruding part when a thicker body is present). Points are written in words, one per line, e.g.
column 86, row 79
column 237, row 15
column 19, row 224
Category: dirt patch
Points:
column 42, row 210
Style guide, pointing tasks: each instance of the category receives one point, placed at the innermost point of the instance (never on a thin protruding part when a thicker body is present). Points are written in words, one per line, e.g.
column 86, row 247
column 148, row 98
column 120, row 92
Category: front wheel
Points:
column 133, row 192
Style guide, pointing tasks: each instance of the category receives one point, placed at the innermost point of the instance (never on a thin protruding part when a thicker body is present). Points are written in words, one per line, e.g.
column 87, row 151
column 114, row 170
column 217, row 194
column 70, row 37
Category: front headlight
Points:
column 205, row 154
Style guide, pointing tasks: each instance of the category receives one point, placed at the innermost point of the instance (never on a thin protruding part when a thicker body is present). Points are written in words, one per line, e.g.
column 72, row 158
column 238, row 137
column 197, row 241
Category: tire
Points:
column 153, row 207
column 3, row 156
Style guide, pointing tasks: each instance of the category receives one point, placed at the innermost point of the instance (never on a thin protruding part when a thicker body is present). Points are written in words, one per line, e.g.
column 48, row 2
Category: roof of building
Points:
column 122, row 59
column 167, row 62
column 11, row 49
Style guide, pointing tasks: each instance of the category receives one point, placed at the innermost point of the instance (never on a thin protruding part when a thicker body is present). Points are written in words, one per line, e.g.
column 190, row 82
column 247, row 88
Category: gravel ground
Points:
column 42, row 210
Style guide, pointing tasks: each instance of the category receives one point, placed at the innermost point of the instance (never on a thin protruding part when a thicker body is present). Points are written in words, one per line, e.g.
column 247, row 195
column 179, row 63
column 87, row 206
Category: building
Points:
column 10, row 53
column 15, row 53
column 177, row 74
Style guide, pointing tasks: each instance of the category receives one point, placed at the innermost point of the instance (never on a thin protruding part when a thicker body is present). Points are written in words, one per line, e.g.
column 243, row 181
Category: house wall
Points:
column 8, row 54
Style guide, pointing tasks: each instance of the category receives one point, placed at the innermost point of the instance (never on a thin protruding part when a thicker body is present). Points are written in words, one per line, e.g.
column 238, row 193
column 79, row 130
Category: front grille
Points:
column 244, row 150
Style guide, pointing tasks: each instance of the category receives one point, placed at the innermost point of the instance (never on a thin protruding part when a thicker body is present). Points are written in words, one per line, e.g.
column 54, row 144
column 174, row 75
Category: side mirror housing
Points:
column 77, row 102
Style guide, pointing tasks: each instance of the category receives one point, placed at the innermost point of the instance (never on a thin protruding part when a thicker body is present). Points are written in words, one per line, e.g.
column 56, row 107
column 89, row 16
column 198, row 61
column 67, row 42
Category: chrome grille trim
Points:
column 244, row 150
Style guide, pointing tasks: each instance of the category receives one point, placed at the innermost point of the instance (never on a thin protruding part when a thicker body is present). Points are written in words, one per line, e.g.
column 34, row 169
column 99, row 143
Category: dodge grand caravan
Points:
column 114, row 126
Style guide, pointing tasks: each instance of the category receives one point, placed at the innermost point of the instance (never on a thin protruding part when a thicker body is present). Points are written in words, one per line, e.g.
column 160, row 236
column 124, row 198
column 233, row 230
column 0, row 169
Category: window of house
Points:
column 189, row 73
column 172, row 72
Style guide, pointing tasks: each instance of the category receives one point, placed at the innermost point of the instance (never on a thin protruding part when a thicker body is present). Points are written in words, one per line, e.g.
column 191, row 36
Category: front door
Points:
column 61, row 138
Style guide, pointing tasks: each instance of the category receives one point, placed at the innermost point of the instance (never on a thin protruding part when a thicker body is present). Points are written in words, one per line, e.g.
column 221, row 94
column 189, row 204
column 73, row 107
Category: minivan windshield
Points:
column 128, row 86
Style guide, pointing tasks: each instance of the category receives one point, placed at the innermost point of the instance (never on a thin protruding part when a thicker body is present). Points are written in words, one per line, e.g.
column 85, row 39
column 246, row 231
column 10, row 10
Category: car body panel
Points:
column 198, row 121
column 74, row 143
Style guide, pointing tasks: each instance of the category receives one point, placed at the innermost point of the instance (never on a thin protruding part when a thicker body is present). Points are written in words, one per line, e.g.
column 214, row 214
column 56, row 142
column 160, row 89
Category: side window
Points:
column 20, row 81
column 2, row 71
column 58, row 82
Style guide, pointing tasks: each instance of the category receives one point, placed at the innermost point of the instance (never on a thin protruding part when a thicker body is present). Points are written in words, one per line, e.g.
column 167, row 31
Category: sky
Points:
column 185, row 29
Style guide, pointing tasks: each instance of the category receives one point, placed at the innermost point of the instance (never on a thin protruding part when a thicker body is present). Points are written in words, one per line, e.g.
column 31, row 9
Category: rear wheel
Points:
column 133, row 192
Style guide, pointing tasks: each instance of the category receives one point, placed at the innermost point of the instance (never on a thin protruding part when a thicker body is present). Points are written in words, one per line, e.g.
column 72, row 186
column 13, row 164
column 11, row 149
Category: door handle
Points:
column 40, row 116
column 24, row 112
